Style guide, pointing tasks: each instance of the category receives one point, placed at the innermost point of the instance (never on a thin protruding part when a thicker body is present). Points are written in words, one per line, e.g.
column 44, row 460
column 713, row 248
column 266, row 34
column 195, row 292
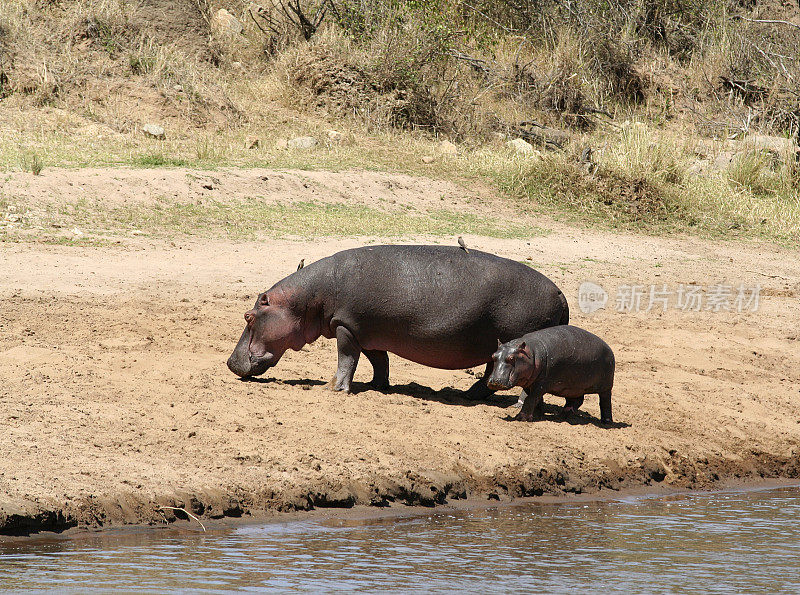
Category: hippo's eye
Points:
column 264, row 300
column 510, row 359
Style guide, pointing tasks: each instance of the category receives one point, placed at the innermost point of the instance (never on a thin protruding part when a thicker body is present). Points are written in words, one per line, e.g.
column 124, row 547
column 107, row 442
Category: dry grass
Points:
column 642, row 152
column 644, row 181
column 79, row 78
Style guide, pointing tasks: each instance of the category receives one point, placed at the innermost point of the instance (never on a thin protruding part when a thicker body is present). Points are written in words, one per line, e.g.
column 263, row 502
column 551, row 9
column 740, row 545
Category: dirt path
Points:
column 115, row 398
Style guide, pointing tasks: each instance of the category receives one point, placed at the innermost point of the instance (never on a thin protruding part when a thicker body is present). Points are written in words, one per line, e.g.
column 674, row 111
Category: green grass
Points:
column 251, row 220
column 31, row 162
column 151, row 160
column 305, row 219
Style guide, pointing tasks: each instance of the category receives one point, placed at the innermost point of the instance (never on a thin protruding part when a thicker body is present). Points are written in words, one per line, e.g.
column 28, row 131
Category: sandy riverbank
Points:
column 115, row 398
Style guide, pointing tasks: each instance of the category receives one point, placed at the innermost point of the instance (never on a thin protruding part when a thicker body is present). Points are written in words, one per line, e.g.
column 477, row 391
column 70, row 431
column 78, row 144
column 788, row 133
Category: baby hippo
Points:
column 565, row 361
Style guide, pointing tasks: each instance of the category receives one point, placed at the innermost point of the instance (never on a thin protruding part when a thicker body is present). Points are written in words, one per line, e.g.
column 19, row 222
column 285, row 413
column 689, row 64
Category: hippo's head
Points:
column 271, row 330
column 512, row 362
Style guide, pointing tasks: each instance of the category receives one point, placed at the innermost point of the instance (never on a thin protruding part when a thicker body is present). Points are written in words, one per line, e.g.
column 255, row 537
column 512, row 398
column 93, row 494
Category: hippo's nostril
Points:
column 248, row 317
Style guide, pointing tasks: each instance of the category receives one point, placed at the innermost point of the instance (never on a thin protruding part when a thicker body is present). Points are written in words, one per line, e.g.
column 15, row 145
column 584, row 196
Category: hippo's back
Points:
column 438, row 305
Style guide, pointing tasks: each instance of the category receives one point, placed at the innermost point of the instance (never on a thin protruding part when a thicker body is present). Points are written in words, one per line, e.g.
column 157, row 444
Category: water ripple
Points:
column 714, row 543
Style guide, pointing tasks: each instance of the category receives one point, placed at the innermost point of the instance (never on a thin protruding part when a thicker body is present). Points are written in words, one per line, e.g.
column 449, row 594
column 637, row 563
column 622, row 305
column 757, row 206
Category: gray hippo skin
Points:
column 565, row 361
column 435, row 305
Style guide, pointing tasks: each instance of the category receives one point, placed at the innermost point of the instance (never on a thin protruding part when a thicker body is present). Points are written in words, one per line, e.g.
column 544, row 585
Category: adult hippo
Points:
column 435, row 305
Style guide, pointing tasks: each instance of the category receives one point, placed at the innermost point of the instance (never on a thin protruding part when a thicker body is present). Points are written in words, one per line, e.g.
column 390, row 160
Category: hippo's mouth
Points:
column 253, row 366
column 244, row 363
column 261, row 363
column 497, row 385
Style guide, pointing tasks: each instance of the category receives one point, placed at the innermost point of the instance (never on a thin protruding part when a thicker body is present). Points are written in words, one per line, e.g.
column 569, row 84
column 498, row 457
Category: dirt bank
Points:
column 115, row 398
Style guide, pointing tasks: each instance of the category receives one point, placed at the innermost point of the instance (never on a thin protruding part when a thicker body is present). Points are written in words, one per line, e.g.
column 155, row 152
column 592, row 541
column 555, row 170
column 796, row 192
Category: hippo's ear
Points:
column 498, row 343
column 521, row 346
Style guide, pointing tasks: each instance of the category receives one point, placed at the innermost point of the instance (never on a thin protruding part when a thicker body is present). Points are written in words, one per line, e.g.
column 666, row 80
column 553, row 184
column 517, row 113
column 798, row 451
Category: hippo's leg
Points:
column 605, row 407
column 533, row 408
column 479, row 390
column 380, row 368
column 521, row 401
column 348, row 350
column 572, row 405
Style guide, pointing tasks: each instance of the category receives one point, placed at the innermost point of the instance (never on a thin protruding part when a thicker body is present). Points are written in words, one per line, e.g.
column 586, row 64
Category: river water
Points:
column 717, row 542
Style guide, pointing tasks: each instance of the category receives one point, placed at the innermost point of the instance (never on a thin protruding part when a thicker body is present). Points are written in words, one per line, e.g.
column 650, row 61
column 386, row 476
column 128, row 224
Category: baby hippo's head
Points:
column 512, row 362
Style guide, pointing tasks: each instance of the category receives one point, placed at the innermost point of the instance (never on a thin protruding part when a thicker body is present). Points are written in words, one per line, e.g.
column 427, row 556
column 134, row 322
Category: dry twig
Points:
column 293, row 14
column 476, row 63
column 184, row 511
column 770, row 22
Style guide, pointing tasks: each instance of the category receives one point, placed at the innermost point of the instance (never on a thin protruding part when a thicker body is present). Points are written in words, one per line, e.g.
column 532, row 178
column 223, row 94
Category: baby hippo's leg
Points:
column 533, row 407
column 605, row 407
column 572, row 406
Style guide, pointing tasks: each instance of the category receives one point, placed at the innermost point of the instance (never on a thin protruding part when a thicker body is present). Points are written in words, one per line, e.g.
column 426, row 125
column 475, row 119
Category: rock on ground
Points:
column 303, row 142
column 448, row 148
column 224, row 24
column 335, row 137
column 520, row 146
column 781, row 149
column 154, row 131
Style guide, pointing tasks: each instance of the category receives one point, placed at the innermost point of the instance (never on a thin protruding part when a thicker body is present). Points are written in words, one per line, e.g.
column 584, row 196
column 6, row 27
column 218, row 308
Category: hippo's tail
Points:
column 564, row 308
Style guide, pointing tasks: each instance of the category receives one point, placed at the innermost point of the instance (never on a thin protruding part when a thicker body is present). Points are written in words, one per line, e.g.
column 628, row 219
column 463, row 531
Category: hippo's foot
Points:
column 381, row 385
column 348, row 351
column 533, row 405
column 518, row 404
column 528, row 416
column 605, row 407
column 380, row 369
column 337, row 385
column 478, row 391
column 571, row 407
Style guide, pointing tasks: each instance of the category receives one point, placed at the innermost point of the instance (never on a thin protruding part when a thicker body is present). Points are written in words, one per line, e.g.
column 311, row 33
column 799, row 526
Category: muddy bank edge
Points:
column 422, row 489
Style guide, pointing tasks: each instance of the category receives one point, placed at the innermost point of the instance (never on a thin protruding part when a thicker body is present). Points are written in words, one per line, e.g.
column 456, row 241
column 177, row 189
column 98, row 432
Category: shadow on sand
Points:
column 448, row 395
column 292, row 382
column 452, row 396
column 555, row 413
